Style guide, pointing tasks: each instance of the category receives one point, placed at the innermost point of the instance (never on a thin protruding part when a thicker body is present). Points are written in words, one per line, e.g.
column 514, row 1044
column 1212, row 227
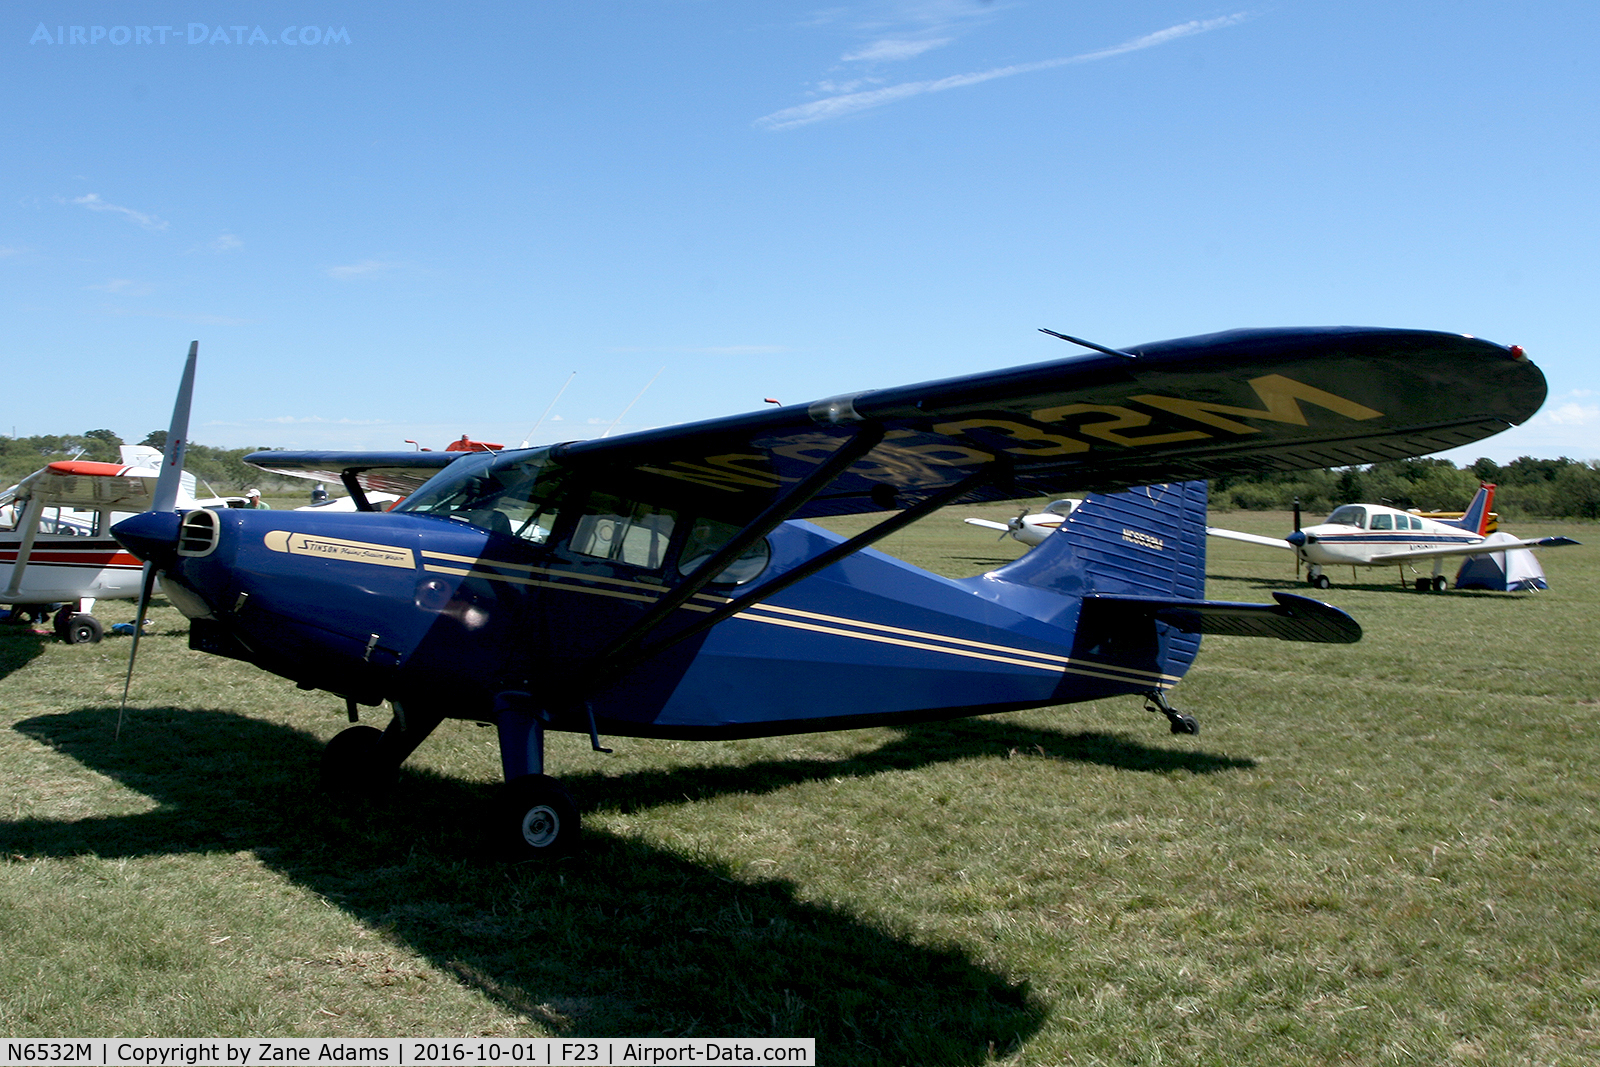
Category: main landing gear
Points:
column 534, row 818
column 1156, row 701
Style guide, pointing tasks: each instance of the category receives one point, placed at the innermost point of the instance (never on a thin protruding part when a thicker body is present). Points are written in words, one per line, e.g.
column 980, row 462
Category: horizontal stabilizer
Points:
column 1292, row 618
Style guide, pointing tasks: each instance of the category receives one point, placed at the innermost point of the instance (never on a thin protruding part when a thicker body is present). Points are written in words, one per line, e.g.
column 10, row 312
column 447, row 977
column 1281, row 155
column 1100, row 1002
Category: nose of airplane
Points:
column 1298, row 539
column 150, row 535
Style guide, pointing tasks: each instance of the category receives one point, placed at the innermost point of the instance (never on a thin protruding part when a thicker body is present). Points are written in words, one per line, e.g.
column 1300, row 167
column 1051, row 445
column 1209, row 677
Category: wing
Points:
column 400, row 473
column 85, row 484
column 1245, row 401
column 1478, row 548
column 1248, row 538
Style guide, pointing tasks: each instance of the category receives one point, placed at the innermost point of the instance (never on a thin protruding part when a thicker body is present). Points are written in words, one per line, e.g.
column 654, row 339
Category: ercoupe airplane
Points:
column 1373, row 535
column 56, row 546
column 660, row 583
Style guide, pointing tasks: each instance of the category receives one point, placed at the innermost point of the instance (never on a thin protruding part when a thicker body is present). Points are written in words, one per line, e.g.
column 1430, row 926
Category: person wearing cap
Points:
column 253, row 499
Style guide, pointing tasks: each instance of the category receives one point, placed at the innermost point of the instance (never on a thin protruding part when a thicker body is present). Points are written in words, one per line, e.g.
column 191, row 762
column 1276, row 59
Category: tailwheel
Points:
column 352, row 766
column 1180, row 723
column 537, row 819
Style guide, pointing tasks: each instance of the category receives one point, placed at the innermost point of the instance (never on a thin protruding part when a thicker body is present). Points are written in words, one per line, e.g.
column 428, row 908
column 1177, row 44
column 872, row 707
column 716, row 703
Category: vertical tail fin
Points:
column 1149, row 542
column 1476, row 518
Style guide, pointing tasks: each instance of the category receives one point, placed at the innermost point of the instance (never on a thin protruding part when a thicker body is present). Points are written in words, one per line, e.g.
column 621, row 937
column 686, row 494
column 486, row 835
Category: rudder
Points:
column 1149, row 541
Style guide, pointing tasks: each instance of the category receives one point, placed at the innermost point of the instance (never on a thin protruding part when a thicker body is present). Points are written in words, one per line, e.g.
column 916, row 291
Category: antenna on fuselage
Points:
column 547, row 408
column 632, row 402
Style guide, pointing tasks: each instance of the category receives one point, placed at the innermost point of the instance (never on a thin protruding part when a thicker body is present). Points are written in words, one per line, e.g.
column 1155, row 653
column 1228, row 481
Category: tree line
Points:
column 1528, row 488
column 223, row 469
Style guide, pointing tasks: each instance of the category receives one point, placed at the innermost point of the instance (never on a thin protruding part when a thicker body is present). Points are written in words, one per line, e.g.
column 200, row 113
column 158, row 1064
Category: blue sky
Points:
column 391, row 221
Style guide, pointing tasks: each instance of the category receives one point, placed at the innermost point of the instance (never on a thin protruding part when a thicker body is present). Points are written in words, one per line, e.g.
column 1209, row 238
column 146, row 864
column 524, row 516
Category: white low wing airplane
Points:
column 1373, row 535
column 1031, row 529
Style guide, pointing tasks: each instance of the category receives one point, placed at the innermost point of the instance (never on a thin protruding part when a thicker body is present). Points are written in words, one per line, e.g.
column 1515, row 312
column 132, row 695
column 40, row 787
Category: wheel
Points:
column 1321, row 581
column 538, row 820
column 1440, row 583
column 82, row 630
column 1185, row 724
column 351, row 764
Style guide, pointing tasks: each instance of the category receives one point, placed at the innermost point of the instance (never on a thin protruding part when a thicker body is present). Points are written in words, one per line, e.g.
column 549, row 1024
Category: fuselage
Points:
column 73, row 556
column 1363, row 534
column 482, row 590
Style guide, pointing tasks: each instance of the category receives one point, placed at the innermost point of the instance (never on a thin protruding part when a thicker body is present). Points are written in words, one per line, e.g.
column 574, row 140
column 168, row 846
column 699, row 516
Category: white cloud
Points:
column 1571, row 413
column 125, row 286
column 93, row 202
column 892, row 49
column 226, row 242
column 365, row 269
column 849, row 103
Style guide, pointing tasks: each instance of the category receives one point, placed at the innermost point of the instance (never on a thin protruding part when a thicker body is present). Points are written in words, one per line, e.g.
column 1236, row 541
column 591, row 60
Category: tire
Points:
column 1321, row 581
column 537, row 819
column 82, row 630
column 1440, row 584
column 351, row 765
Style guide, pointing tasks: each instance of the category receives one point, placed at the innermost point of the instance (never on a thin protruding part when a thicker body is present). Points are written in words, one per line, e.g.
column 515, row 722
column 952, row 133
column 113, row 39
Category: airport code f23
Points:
column 193, row 33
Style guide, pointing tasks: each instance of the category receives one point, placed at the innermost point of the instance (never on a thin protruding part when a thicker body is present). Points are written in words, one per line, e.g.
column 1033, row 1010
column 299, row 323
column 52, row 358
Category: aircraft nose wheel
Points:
column 537, row 819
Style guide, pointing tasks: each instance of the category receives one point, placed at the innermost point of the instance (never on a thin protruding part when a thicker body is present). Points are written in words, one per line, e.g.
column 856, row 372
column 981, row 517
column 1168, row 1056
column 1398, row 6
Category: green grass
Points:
column 1376, row 853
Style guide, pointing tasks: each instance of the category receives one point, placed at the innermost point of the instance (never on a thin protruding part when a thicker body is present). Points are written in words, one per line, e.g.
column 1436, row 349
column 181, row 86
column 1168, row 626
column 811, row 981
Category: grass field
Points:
column 1375, row 853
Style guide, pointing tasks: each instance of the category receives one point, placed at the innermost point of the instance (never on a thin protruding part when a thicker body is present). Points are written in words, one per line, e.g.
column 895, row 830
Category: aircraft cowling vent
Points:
column 198, row 534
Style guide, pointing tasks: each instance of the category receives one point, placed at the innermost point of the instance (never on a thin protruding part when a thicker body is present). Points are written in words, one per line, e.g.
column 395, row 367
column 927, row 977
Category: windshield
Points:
column 511, row 493
column 1349, row 515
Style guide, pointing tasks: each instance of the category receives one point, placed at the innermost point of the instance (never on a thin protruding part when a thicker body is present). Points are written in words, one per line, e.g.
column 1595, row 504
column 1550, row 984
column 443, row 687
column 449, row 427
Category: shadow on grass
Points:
column 1393, row 585
column 917, row 746
column 624, row 939
column 19, row 646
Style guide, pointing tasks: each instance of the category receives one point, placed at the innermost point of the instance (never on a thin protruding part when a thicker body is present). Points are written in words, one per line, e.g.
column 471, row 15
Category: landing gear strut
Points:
column 1156, row 701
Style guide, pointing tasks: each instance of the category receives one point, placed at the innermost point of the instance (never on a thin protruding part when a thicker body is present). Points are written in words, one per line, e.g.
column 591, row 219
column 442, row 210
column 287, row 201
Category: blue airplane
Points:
column 665, row 583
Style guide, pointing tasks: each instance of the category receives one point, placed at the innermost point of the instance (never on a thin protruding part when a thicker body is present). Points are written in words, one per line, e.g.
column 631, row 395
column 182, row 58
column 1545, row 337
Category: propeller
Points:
column 1013, row 525
column 165, row 499
column 1297, row 530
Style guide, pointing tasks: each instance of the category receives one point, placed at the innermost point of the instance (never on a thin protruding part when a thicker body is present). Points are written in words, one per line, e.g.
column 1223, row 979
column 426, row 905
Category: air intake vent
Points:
column 198, row 534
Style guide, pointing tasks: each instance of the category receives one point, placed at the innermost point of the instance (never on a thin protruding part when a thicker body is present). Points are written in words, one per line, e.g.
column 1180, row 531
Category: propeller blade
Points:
column 164, row 499
column 166, row 495
column 1297, row 530
column 145, row 590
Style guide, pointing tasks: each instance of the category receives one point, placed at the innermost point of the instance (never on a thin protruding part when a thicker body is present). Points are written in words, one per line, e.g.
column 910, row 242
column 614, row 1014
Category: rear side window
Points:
column 708, row 535
column 624, row 531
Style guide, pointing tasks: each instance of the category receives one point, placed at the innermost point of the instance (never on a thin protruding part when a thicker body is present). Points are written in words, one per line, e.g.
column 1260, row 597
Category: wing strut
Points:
column 621, row 660
column 865, row 440
column 352, row 483
column 31, row 513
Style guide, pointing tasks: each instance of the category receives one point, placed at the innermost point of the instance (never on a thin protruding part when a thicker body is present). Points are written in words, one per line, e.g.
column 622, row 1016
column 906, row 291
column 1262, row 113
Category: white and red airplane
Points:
column 57, row 554
column 1375, row 535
